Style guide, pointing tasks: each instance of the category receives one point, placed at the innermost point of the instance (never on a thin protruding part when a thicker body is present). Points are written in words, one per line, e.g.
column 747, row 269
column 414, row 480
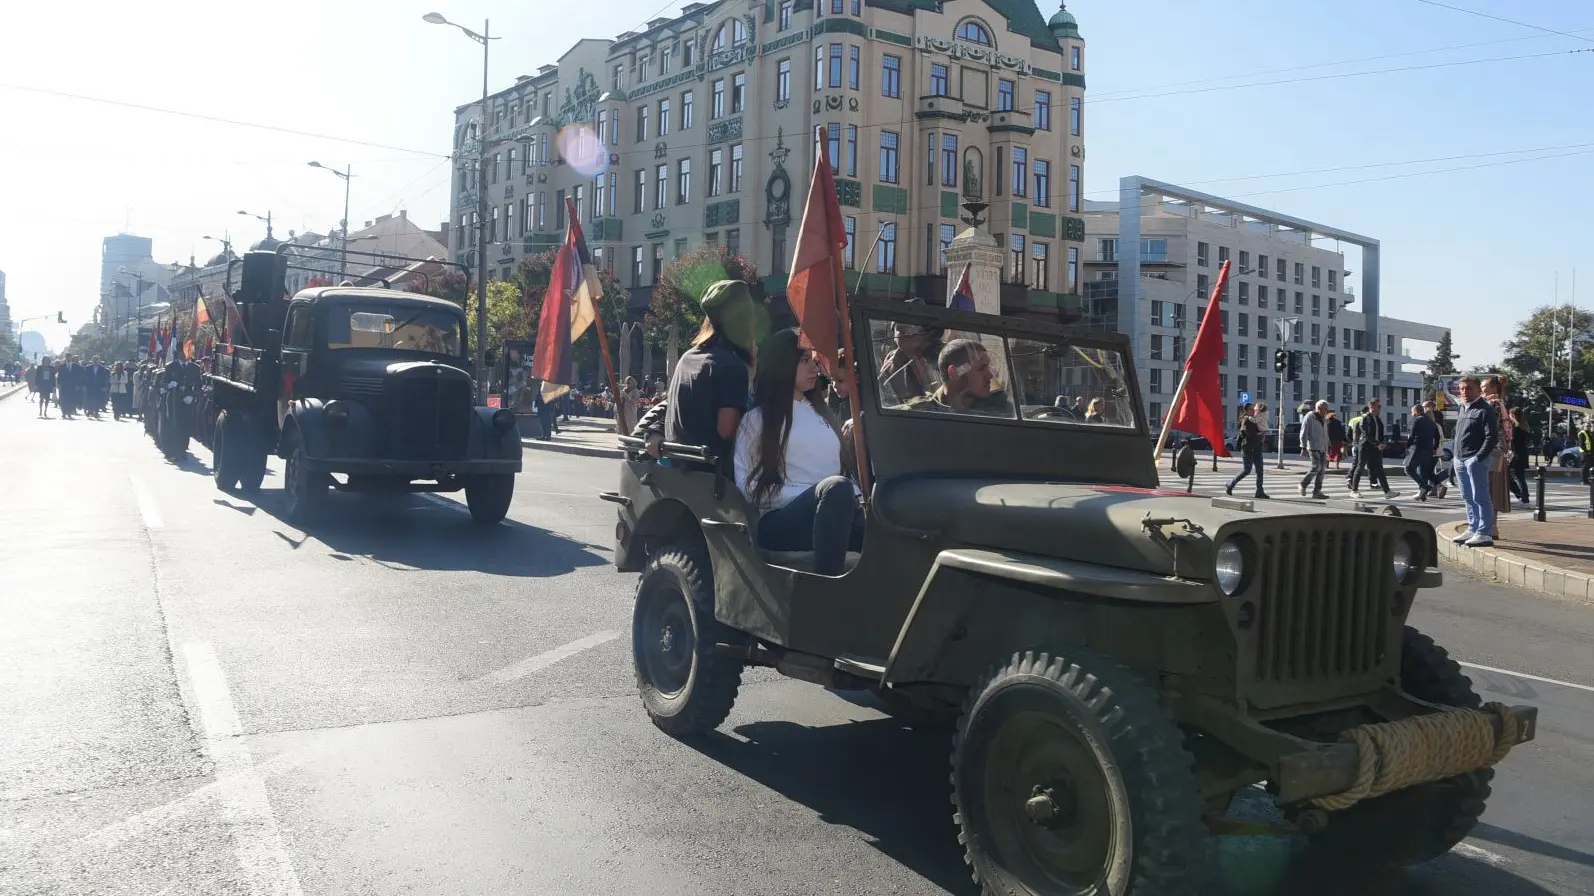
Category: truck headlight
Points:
column 1230, row 569
column 504, row 419
column 337, row 412
column 1405, row 559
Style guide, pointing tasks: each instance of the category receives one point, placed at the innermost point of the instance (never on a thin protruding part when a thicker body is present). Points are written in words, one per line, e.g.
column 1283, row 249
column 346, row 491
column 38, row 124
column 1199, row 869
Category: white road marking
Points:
column 545, row 659
column 443, row 502
column 1538, row 678
column 1467, row 849
column 246, row 807
column 147, row 508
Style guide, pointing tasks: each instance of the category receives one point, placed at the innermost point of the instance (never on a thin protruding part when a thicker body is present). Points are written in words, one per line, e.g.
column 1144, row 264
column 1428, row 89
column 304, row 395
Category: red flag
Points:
column 812, row 291
column 1200, row 407
column 962, row 298
column 150, row 350
column 568, row 309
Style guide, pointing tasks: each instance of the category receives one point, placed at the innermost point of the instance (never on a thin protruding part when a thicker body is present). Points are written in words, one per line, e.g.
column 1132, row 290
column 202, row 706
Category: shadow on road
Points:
column 1491, row 834
column 890, row 782
column 405, row 532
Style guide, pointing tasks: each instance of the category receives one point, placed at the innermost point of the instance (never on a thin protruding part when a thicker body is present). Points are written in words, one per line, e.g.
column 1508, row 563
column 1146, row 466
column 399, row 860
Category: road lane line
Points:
column 543, row 660
column 246, row 807
column 1478, row 852
column 1538, row 678
column 147, row 508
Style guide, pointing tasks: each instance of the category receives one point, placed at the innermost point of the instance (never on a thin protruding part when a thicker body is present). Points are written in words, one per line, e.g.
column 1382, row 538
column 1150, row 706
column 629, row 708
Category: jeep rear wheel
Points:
column 686, row 689
column 1068, row 778
column 1411, row 826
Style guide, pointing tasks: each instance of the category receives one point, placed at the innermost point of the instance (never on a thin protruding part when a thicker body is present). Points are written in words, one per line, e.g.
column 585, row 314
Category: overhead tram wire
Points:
column 1486, row 15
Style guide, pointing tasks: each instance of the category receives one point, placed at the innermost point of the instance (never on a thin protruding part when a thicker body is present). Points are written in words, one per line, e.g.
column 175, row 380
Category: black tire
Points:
column 250, row 458
column 1068, row 778
column 686, row 689
column 224, row 453
column 1420, row 823
column 488, row 497
column 304, row 491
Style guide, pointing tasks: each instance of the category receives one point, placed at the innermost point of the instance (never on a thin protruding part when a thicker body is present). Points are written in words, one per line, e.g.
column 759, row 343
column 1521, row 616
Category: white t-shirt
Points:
column 812, row 452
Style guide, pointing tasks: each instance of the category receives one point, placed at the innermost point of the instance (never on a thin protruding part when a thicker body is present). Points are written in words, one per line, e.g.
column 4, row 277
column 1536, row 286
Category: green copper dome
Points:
column 1063, row 24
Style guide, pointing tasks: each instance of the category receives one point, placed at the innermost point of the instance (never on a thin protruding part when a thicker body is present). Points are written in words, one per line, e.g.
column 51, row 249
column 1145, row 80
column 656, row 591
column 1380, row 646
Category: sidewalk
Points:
column 10, row 389
column 1553, row 557
column 586, row 436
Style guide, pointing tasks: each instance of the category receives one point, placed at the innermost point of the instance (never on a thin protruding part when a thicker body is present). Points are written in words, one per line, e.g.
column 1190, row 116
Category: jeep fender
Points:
column 978, row 605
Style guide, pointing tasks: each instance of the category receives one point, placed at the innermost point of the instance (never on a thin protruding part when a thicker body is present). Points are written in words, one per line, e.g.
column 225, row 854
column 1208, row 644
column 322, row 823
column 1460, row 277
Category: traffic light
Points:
column 1293, row 374
column 1281, row 361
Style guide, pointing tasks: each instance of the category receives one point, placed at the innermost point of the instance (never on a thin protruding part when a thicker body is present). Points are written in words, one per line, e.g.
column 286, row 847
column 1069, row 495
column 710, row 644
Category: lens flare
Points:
column 579, row 147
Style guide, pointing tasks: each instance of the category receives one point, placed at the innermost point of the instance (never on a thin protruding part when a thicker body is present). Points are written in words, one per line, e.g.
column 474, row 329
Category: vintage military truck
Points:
column 367, row 383
column 1120, row 661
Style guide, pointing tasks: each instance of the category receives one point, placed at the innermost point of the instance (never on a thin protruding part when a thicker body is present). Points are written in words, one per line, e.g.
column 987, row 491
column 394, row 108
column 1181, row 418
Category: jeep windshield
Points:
column 394, row 327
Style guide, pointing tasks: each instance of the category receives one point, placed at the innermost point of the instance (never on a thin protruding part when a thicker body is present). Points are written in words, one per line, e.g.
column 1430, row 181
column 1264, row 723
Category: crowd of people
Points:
column 87, row 387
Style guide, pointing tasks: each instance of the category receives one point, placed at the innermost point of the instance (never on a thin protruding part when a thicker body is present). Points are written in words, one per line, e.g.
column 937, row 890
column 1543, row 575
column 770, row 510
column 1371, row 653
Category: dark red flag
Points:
column 1200, row 408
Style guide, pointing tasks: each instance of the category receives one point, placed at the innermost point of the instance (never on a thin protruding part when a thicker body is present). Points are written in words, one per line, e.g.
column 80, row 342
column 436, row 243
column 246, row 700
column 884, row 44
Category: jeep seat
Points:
column 803, row 561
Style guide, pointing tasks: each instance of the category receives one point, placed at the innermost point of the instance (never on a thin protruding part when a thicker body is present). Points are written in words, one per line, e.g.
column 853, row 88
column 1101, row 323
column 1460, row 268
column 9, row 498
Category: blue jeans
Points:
column 1252, row 458
column 820, row 519
column 1474, row 476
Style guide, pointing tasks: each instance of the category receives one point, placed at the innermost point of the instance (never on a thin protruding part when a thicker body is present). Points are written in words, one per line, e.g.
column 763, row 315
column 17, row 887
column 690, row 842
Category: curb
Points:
column 1511, row 569
column 570, row 448
column 18, row 388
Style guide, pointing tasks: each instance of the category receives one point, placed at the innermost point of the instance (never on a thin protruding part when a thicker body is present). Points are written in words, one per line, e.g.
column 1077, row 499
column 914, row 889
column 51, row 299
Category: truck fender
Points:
column 1038, row 596
column 487, row 442
column 305, row 417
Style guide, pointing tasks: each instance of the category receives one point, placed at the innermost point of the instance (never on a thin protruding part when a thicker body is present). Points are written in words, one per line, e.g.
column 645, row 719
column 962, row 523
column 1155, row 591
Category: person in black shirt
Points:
column 709, row 390
column 1425, row 439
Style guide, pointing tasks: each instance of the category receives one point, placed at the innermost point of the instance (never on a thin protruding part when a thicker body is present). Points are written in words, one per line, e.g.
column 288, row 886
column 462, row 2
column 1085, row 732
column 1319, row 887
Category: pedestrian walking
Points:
column 1336, row 439
column 1252, row 438
column 121, row 390
column 97, row 386
column 67, row 382
column 1585, row 446
column 44, row 386
column 1425, row 439
column 1519, row 455
column 1477, row 440
column 1370, row 452
column 1314, row 441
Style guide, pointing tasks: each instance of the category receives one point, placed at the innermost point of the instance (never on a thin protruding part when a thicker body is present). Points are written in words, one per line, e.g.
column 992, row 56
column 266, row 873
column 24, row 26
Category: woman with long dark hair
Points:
column 788, row 459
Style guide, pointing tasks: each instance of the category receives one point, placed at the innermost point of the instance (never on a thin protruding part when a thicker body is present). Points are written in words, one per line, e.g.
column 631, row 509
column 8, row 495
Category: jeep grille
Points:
column 1326, row 599
column 435, row 418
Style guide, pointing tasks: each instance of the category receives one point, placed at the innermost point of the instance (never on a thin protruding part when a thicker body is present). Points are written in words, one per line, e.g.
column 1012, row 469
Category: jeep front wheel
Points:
column 1411, row 826
column 686, row 688
column 1068, row 778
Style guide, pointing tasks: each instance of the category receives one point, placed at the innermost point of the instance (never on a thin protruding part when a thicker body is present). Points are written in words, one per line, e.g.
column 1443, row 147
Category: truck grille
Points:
column 434, row 418
column 361, row 386
column 1325, row 611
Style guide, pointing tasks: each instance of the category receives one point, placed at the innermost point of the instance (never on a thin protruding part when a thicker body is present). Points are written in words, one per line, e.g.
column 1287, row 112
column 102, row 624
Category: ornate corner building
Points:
column 700, row 129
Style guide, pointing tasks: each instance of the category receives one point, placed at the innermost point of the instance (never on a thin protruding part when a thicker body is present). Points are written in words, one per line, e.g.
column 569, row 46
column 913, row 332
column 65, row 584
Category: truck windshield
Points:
column 399, row 328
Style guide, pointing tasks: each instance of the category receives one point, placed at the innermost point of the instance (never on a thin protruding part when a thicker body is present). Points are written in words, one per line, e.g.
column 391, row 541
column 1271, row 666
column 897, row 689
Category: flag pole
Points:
column 849, row 376
column 1184, row 378
column 608, row 363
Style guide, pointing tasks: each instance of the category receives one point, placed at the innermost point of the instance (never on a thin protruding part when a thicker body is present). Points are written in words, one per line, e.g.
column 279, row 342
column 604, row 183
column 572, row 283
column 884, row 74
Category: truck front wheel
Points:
column 305, row 491
column 488, row 497
column 1068, row 778
column 1411, row 826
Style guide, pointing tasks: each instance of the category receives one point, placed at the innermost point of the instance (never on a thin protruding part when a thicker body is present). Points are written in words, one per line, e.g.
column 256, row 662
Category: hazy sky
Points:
column 1473, row 246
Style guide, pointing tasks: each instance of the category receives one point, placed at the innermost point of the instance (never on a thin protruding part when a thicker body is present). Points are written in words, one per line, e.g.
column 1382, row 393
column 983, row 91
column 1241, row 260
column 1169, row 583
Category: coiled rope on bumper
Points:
column 1418, row 750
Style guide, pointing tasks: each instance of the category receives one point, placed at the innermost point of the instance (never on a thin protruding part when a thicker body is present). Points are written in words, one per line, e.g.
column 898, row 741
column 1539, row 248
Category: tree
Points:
column 1442, row 364
column 532, row 277
column 10, row 352
column 1539, row 339
column 673, row 312
column 505, row 319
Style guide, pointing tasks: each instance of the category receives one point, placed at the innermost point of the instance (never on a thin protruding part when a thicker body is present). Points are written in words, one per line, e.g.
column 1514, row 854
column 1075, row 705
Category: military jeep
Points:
column 1119, row 661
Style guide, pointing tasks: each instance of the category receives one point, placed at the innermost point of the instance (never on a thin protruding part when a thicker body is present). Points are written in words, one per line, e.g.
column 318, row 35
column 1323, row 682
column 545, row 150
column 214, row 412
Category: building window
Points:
column 1043, row 110
column 833, row 132
column 642, row 122
column 1203, row 286
column 1333, row 342
column 1076, row 115
column 854, row 61
column 819, row 66
column 1202, row 250
column 542, row 210
column 1156, row 347
column 1317, row 277
column 716, row 100
column 683, row 182
column 1073, row 188
column 1300, row 303
column 733, row 242
column 1223, row 255
column 1243, row 324
column 1316, row 333
column 1015, row 245
column 1300, row 273
column 783, row 81
column 835, row 65
column 1331, row 281
column 1076, row 61
column 661, row 186
column 1038, row 267
column 578, row 198
column 974, row 33
column 664, row 118
column 949, row 160
column 891, row 76
column 1317, row 306
column 716, row 166
column 736, row 168
column 888, row 157
column 686, row 110
column 1004, row 94
column 850, row 254
column 1155, row 385
column 852, row 150
column 886, row 255
column 784, row 22
column 640, row 204
column 636, row 265
column 603, row 126
column 938, row 79
column 1000, row 182
column 738, row 92
column 1282, row 277
column 1043, row 184
column 1020, row 170
column 948, row 232
column 599, row 193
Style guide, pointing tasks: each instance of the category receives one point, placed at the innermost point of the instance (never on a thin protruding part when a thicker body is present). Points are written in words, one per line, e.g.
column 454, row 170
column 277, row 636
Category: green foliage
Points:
column 505, row 318
column 91, row 340
column 10, row 352
column 1529, row 351
column 682, row 284
column 1442, row 364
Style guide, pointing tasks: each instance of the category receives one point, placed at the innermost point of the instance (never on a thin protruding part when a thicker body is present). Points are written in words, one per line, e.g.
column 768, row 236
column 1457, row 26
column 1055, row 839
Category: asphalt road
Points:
column 201, row 699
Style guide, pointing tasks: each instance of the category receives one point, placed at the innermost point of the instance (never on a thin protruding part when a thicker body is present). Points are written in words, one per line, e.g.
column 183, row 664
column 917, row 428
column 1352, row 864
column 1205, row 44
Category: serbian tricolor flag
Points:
column 568, row 309
column 962, row 298
column 814, row 290
column 1199, row 407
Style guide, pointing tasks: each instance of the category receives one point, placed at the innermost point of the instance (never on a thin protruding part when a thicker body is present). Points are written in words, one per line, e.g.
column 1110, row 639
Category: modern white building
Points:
column 5, row 308
column 1289, row 287
column 129, row 278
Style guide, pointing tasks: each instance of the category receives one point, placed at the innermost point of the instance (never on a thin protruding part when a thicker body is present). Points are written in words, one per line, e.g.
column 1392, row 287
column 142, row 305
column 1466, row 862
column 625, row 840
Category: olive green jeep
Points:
column 1119, row 660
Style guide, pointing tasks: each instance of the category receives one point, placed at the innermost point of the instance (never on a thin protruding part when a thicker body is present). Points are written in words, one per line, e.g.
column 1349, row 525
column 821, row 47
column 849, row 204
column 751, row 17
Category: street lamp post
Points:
column 348, row 175
column 481, row 203
column 266, row 218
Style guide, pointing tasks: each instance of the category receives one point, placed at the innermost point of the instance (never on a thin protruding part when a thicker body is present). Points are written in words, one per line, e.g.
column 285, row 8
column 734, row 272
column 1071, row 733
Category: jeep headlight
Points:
column 1230, row 568
column 1405, row 558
